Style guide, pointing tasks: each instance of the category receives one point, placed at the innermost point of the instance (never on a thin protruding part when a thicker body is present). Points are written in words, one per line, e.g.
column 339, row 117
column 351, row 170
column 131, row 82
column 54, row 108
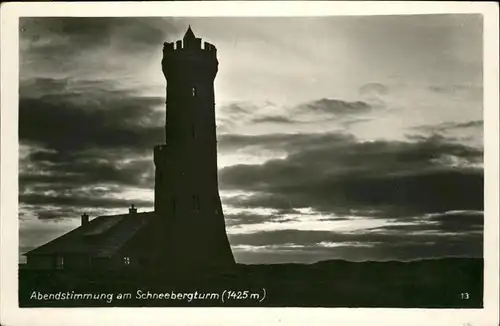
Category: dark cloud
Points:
column 83, row 134
column 470, row 124
column 335, row 107
column 89, row 118
column 97, row 48
column 250, row 218
column 473, row 91
column 311, row 238
column 266, row 200
column 80, row 179
column 274, row 119
column 70, row 35
column 136, row 173
column 461, row 221
column 424, row 236
column 322, row 110
column 73, row 201
column 338, row 173
column 243, row 218
column 55, row 206
column 283, row 215
column 291, row 143
column 448, row 126
column 231, row 115
column 348, row 123
column 353, row 246
column 54, row 213
column 92, row 190
column 467, row 132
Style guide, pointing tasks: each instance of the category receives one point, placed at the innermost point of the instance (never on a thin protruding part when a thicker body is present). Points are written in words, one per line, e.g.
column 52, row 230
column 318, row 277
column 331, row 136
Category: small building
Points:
column 105, row 242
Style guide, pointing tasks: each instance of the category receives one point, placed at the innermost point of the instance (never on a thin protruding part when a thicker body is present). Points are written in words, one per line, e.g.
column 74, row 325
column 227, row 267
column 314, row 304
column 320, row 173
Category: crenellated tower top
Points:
column 190, row 51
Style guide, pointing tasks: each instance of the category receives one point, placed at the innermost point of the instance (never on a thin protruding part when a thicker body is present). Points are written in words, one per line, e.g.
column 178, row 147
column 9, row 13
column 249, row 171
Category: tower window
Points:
column 196, row 203
column 194, row 91
column 126, row 260
column 216, row 202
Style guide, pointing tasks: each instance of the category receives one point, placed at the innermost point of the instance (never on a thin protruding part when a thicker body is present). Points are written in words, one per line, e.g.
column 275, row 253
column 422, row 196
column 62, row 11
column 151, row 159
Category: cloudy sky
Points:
column 339, row 137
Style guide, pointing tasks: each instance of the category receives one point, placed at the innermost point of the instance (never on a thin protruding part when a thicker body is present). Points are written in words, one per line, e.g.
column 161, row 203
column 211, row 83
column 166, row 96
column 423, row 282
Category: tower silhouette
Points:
column 187, row 202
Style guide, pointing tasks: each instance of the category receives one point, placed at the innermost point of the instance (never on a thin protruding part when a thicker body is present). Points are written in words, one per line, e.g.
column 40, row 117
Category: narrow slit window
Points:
column 193, row 131
column 193, row 91
column 196, row 203
column 173, row 205
column 216, row 202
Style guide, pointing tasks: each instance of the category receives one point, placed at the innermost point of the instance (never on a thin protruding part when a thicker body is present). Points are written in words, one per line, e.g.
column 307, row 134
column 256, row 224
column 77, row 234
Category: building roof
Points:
column 189, row 33
column 100, row 237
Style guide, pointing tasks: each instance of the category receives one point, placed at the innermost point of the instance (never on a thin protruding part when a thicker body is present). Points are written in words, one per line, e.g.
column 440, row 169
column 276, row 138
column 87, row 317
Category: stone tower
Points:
column 187, row 198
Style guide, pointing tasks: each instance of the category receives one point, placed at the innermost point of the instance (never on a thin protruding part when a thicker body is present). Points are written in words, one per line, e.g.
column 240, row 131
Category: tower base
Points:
column 191, row 246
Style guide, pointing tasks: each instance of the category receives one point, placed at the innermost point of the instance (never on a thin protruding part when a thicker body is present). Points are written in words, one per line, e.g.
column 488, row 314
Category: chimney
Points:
column 132, row 209
column 85, row 219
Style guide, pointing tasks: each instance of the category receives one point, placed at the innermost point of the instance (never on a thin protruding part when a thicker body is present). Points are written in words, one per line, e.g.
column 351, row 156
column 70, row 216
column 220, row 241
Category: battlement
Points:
column 189, row 52
column 189, row 45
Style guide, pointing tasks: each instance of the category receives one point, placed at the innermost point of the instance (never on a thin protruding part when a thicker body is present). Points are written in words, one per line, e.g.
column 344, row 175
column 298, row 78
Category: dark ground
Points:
column 438, row 283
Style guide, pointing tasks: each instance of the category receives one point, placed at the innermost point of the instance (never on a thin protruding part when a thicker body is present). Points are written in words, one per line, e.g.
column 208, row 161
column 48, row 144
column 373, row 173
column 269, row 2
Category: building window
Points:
column 59, row 262
column 126, row 260
column 194, row 91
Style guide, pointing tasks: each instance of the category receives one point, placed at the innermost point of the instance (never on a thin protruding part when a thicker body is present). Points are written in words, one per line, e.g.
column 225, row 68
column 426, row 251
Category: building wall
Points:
column 58, row 261
column 76, row 262
column 40, row 262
